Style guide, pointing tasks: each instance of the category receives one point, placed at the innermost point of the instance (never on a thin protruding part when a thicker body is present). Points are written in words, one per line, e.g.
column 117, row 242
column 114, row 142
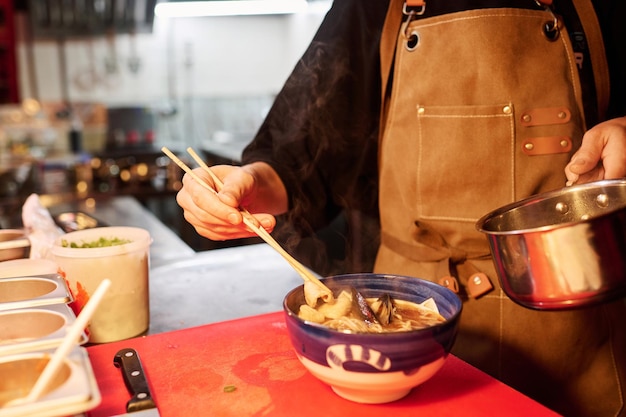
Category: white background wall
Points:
column 208, row 56
column 202, row 76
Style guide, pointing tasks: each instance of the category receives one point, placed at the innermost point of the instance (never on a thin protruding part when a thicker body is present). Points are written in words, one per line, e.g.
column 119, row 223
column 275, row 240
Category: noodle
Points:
column 343, row 316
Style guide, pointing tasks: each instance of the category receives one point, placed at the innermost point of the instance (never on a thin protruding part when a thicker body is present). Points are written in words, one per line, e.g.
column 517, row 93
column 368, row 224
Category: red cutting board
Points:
column 189, row 369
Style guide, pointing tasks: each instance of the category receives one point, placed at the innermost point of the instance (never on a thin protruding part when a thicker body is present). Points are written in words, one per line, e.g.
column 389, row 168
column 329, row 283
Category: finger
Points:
column 594, row 174
column 266, row 221
column 194, row 208
column 220, row 237
column 225, row 234
column 614, row 164
column 199, row 199
column 591, row 176
column 203, row 214
column 217, row 230
column 584, row 160
column 571, row 179
column 590, row 152
column 238, row 186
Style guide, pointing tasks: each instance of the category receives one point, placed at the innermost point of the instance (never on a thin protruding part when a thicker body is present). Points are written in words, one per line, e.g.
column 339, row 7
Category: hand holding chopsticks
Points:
column 249, row 221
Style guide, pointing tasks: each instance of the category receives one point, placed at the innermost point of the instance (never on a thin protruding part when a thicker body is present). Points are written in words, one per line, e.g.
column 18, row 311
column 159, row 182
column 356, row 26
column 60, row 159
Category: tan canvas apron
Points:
column 486, row 110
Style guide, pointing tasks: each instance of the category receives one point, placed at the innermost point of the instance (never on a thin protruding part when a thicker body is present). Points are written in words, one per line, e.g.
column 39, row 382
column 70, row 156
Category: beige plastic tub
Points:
column 125, row 310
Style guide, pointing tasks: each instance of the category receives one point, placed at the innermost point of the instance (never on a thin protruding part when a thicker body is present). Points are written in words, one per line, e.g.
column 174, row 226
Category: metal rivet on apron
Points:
column 420, row 110
column 529, row 146
column 564, row 143
column 506, row 110
column 412, row 41
column 450, row 283
column 562, row 115
column 478, row 285
column 551, row 29
column 526, row 118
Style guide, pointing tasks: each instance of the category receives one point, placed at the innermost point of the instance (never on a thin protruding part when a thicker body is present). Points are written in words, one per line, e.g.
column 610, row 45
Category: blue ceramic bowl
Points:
column 375, row 367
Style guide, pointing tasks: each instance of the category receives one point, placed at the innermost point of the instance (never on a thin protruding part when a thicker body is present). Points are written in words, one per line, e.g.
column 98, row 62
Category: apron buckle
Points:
column 551, row 29
column 412, row 8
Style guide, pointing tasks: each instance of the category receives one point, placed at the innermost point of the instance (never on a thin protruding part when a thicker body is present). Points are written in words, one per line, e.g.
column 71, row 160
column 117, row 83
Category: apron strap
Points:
column 389, row 37
column 387, row 50
column 421, row 3
column 584, row 9
column 388, row 40
column 591, row 27
column 453, row 265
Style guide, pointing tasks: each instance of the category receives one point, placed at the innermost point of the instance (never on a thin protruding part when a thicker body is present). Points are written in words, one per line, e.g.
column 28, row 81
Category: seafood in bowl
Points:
column 367, row 364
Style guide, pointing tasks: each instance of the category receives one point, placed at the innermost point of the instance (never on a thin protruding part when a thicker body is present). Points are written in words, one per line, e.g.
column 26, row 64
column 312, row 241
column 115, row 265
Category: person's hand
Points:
column 217, row 216
column 602, row 154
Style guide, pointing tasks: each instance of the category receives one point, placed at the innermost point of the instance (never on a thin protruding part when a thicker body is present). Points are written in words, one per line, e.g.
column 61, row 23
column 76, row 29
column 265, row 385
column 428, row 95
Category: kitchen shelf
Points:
column 57, row 19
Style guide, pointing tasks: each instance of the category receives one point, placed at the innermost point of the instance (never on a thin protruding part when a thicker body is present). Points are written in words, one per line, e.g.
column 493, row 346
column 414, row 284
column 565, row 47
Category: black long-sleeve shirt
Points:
column 321, row 134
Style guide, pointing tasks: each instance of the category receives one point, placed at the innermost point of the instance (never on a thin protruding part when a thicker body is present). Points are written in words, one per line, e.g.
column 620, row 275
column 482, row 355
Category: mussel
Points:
column 361, row 308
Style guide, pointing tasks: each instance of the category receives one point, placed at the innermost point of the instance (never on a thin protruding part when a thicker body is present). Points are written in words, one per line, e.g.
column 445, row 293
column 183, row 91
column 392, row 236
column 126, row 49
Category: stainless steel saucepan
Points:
column 562, row 249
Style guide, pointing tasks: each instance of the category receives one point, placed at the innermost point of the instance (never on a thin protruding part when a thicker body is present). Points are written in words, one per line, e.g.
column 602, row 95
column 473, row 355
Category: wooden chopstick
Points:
column 248, row 220
column 259, row 230
column 188, row 170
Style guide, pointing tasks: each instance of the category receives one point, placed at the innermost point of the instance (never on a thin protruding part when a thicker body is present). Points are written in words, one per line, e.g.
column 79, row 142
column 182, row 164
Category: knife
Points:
column 141, row 403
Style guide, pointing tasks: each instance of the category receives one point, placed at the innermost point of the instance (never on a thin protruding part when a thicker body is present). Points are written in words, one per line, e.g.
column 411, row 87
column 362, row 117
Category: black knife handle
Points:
column 134, row 378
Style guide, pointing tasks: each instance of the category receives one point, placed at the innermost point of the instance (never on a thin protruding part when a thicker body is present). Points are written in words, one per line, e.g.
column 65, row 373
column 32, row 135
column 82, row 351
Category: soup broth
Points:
column 391, row 315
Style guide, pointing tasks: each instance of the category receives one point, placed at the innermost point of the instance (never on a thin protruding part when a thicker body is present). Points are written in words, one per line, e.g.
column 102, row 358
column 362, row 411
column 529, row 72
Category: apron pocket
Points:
column 461, row 174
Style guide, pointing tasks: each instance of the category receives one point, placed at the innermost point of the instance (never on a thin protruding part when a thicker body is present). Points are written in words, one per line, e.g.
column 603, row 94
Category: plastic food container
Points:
column 27, row 267
column 35, row 328
column 125, row 311
column 13, row 244
column 73, row 390
column 30, row 291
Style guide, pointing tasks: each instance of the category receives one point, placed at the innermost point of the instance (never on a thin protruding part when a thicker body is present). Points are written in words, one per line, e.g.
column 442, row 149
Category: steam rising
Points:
column 321, row 136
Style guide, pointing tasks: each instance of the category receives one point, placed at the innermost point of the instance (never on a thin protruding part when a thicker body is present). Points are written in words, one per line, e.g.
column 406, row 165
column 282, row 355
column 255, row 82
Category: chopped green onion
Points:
column 100, row 243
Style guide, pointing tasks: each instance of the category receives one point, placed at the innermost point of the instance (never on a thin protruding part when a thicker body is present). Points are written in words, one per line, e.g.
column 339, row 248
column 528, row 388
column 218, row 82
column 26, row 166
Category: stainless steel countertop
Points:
column 217, row 285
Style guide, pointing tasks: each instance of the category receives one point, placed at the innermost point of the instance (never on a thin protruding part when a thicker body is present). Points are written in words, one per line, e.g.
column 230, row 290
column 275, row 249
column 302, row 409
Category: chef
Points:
column 420, row 117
